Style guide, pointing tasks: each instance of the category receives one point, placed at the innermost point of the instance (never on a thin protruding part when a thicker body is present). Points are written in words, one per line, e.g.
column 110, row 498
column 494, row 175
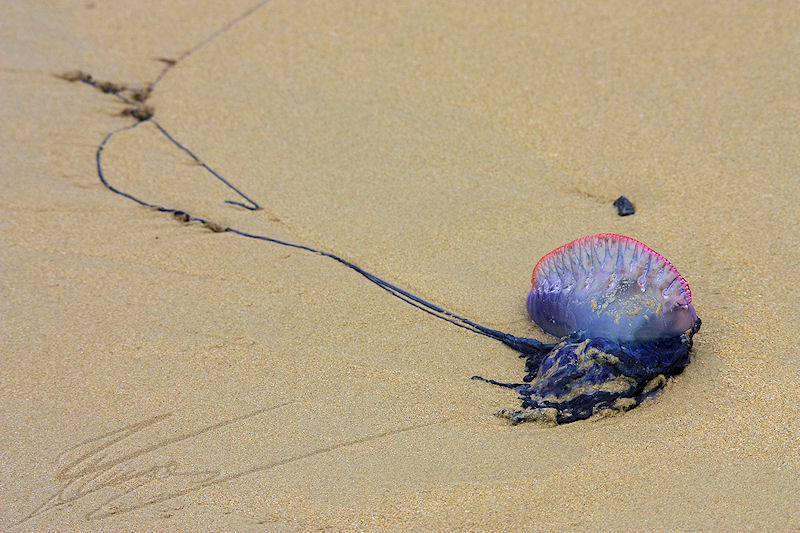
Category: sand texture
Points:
column 156, row 375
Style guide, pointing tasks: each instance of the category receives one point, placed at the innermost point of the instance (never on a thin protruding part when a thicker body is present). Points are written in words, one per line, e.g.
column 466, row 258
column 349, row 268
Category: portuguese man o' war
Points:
column 625, row 318
column 623, row 313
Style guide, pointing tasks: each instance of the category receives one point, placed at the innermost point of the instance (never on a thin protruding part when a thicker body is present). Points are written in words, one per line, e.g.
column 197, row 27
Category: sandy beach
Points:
column 161, row 376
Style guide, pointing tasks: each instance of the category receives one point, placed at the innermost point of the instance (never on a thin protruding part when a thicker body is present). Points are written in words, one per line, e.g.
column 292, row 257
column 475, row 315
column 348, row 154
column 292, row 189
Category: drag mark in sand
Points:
column 115, row 475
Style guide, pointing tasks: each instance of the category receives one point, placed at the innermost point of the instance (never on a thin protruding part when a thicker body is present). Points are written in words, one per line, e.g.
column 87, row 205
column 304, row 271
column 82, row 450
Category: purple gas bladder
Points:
column 610, row 286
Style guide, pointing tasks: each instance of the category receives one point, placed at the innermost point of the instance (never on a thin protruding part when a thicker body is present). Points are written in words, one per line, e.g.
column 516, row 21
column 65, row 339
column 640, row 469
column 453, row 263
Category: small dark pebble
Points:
column 624, row 206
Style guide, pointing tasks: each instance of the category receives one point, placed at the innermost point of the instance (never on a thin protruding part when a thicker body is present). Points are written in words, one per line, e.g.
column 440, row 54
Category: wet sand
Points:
column 157, row 375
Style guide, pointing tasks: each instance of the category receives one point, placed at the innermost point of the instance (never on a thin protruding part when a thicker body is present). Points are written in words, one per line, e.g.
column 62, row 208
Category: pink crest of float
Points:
column 599, row 240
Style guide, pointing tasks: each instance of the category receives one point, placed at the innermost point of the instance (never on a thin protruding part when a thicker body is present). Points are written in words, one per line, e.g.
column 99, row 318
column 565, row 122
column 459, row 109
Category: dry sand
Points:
column 156, row 375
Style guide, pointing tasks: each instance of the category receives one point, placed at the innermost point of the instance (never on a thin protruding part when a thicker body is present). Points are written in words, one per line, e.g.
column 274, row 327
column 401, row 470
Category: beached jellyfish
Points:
column 625, row 318
column 622, row 311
